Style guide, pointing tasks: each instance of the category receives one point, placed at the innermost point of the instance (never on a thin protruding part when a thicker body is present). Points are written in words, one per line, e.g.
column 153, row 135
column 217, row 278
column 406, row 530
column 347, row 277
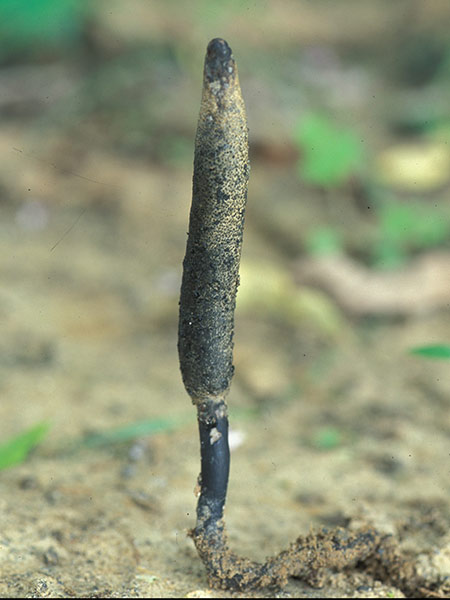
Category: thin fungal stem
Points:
column 215, row 466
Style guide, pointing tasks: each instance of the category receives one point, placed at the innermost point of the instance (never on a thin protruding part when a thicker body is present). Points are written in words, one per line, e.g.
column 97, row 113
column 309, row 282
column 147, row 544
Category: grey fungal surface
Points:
column 211, row 265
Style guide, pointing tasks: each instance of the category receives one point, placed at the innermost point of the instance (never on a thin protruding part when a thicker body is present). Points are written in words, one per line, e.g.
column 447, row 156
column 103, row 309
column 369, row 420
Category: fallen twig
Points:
column 421, row 287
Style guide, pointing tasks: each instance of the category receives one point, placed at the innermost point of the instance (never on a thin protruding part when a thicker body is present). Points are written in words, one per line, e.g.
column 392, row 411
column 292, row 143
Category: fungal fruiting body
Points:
column 211, row 264
column 211, row 269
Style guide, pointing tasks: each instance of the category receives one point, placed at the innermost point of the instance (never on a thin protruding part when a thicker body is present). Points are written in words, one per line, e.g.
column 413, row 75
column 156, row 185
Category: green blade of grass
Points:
column 432, row 351
column 15, row 450
column 131, row 431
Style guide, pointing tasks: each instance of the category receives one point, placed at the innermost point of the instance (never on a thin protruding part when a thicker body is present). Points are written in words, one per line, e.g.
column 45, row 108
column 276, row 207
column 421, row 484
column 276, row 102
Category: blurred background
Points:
column 342, row 327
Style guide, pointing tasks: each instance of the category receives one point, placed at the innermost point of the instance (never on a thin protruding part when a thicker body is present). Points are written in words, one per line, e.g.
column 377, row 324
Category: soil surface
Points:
column 333, row 421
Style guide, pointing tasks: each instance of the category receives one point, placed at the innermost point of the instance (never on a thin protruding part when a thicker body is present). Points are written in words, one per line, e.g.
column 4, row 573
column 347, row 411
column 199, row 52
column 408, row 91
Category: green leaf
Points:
column 15, row 451
column 329, row 154
column 433, row 351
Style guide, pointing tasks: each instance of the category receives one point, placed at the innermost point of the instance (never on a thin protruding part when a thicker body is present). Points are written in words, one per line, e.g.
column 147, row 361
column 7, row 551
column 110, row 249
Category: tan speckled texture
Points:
column 211, row 264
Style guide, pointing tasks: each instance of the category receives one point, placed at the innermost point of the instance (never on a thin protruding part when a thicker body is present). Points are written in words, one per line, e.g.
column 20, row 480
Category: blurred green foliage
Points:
column 433, row 351
column 30, row 25
column 126, row 433
column 327, row 438
column 405, row 227
column 323, row 240
column 329, row 154
column 176, row 150
column 213, row 13
column 15, row 450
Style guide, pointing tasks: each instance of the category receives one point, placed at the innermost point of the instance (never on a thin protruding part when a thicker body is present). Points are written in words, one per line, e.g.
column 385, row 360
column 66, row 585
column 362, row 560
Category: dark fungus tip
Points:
column 219, row 61
column 218, row 48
